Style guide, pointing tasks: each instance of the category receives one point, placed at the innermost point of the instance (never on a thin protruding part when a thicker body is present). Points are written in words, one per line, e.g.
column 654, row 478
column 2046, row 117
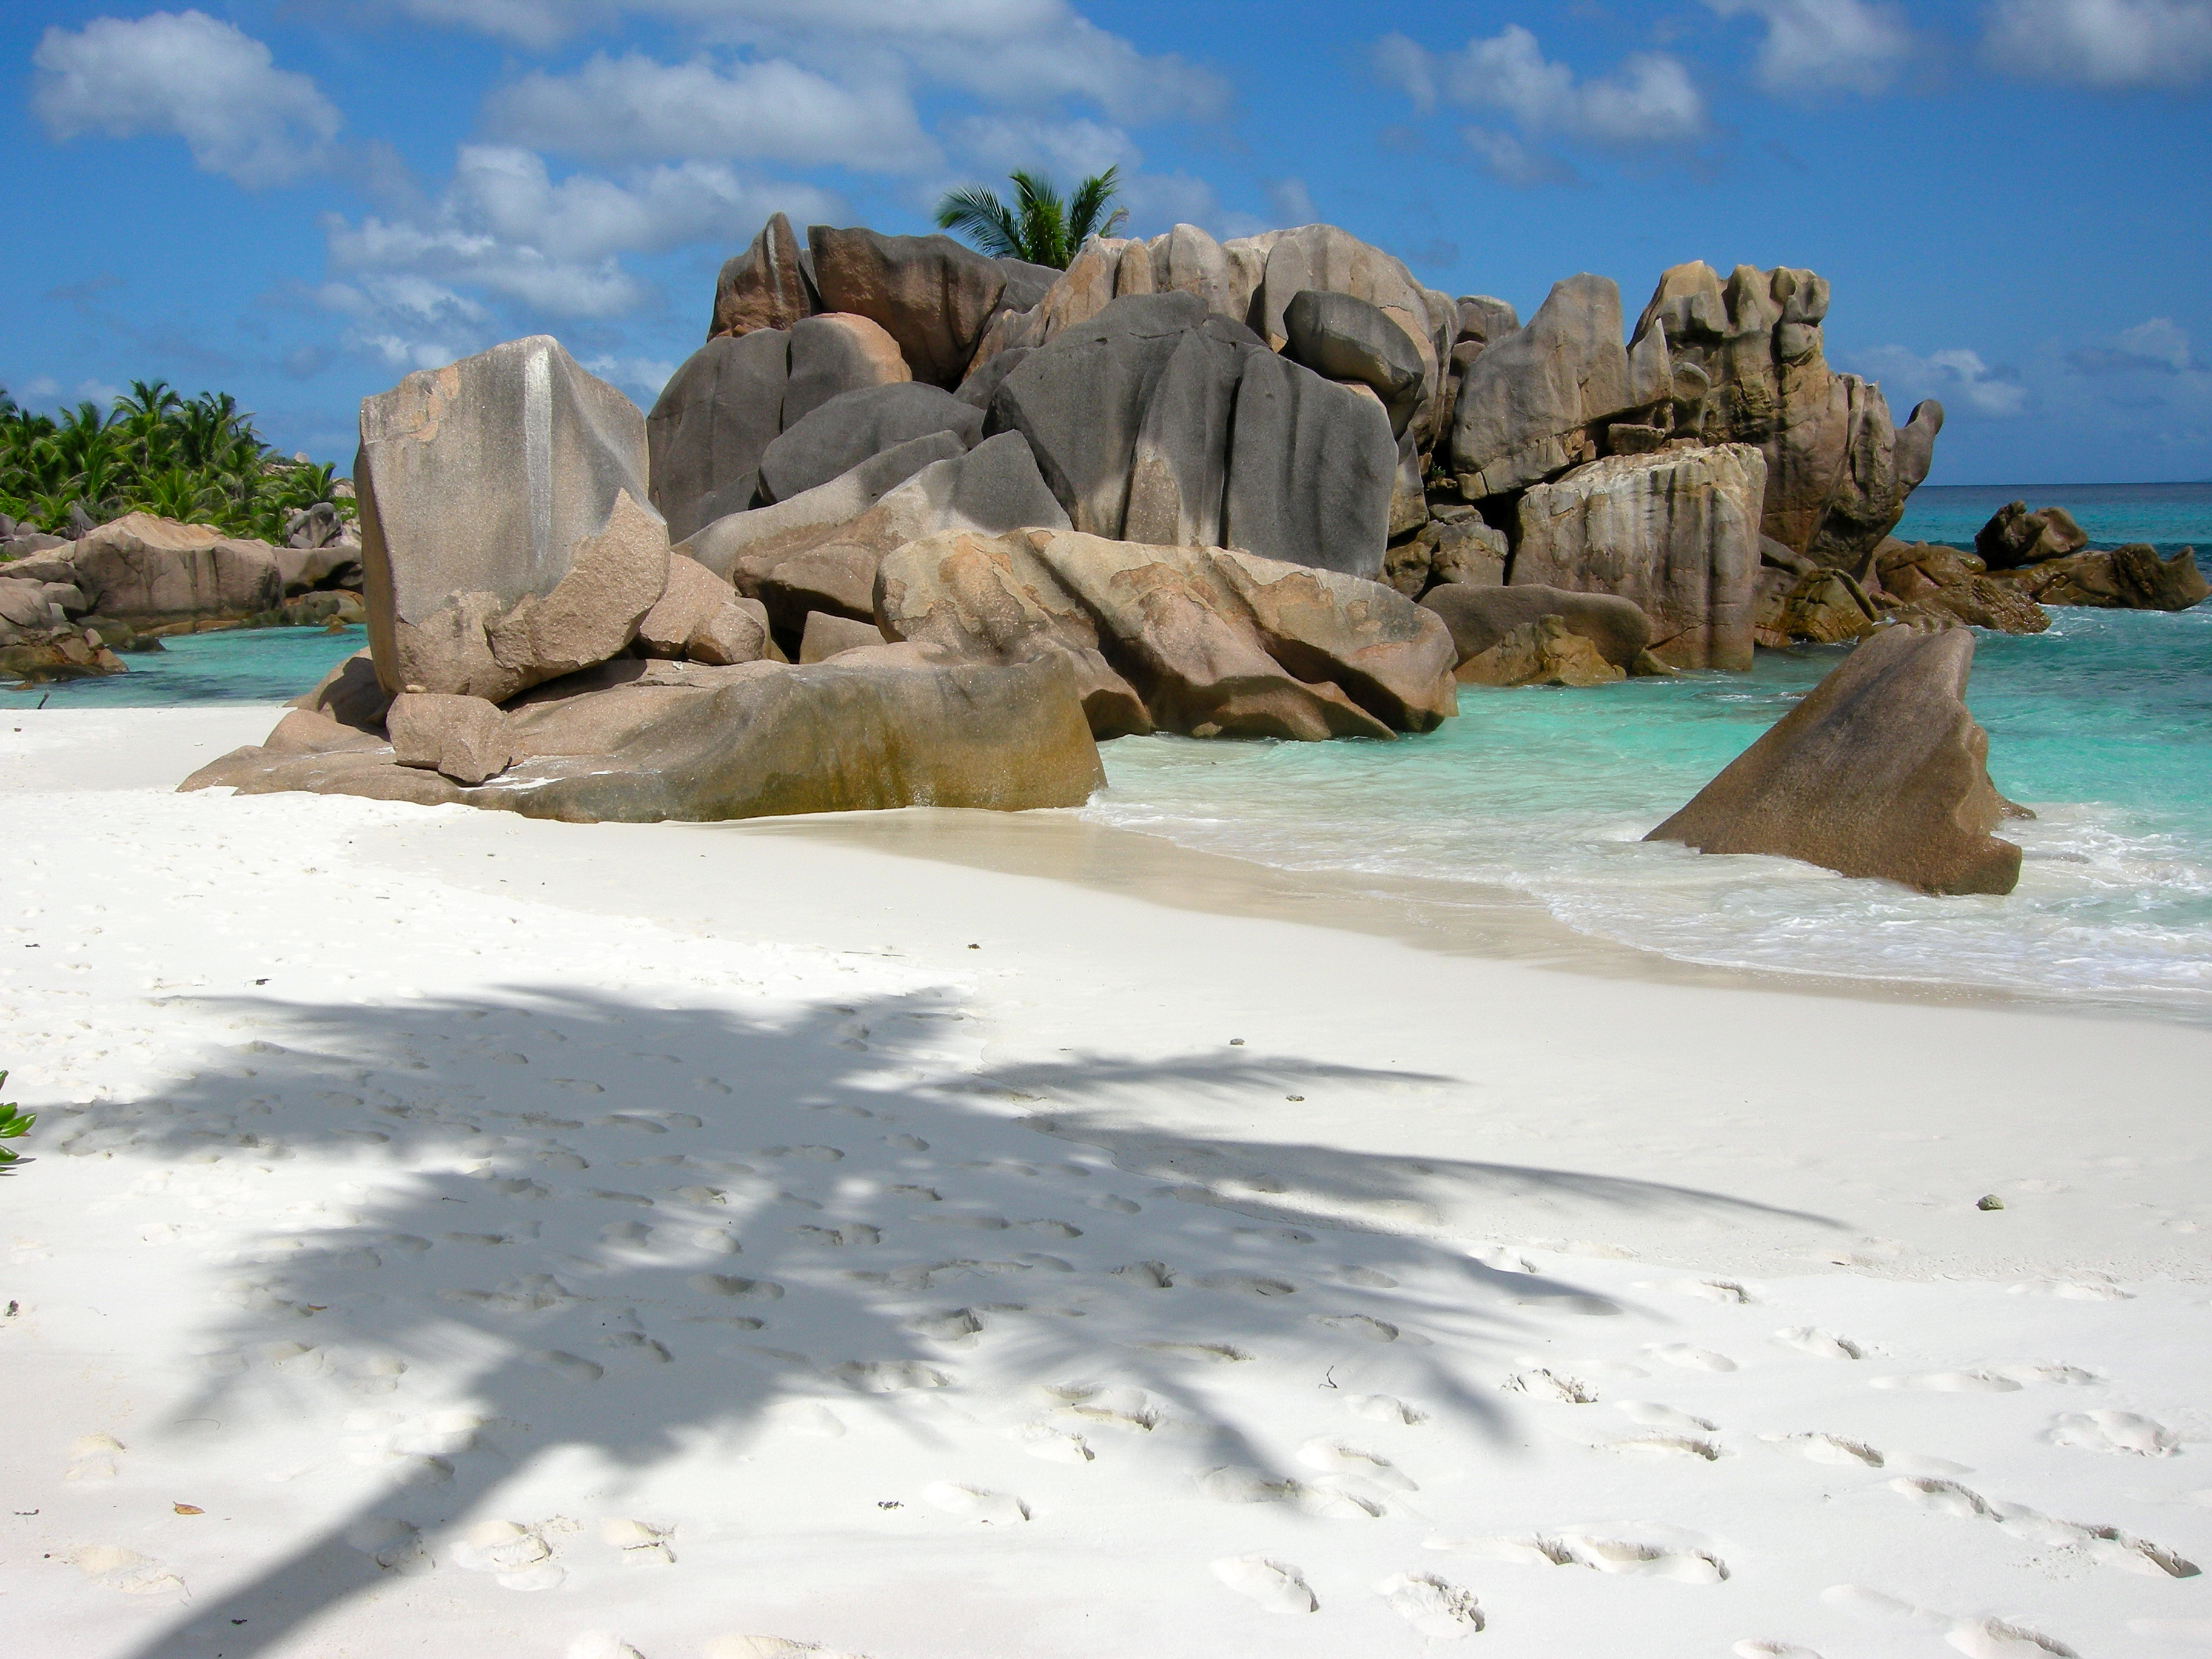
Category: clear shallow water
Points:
column 2166, row 515
column 241, row 665
column 2104, row 725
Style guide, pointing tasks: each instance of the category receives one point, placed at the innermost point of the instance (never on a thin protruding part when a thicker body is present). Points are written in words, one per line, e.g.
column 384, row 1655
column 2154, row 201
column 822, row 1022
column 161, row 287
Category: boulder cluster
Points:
column 917, row 526
column 68, row 606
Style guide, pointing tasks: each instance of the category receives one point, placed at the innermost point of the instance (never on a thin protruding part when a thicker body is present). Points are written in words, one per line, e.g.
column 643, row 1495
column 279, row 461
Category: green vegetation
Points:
column 12, row 1123
column 197, row 459
column 1038, row 227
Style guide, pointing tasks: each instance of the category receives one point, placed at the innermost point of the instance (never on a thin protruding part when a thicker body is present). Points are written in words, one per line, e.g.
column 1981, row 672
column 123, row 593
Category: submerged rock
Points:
column 1880, row 771
column 2130, row 578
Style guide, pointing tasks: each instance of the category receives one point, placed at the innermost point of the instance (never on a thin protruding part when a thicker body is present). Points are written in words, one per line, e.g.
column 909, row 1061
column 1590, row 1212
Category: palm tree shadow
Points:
column 578, row 1222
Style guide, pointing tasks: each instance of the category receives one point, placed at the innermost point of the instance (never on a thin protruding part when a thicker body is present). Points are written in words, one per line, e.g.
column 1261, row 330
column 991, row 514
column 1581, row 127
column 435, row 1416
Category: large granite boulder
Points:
column 1345, row 338
column 1749, row 368
column 834, row 353
column 711, row 424
column 505, row 535
column 1538, row 400
column 811, row 516
column 464, row 738
column 1206, row 642
column 930, row 295
column 1676, row 531
column 1944, row 581
column 1479, row 617
column 764, row 287
column 635, row 741
column 1880, row 771
column 1544, row 651
column 149, row 572
column 703, row 618
column 1157, row 418
column 2130, row 578
column 849, row 428
column 2014, row 537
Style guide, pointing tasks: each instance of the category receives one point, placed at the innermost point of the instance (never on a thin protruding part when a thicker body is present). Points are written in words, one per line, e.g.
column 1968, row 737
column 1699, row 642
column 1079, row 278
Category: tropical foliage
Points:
column 1038, row 225
column 199, row 459
column 12, row 1124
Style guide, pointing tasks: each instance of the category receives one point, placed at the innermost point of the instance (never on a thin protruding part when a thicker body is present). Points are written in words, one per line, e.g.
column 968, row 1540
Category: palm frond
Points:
column 977, row 213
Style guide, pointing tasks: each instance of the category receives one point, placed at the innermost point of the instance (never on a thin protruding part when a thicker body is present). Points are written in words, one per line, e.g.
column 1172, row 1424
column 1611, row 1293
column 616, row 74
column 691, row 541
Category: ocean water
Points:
column 2168, row 516
column 2103, row 724
column 239, row 665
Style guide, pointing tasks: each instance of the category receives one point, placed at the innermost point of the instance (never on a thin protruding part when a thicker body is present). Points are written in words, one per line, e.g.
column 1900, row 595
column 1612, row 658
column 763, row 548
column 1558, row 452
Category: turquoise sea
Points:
column 2103, row 724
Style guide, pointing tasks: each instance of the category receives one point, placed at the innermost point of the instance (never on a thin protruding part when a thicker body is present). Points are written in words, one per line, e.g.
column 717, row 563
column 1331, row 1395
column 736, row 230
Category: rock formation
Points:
column 1676, row 531
column 505, row 538
column 1480, row 617
column 1201, row 641
column 2130, row 578
column 2016, row 537
column 1880, row 771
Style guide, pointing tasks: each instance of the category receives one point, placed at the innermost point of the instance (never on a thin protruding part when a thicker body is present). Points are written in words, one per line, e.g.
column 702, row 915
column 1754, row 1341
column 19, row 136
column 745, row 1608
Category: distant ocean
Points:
column 2104, row 725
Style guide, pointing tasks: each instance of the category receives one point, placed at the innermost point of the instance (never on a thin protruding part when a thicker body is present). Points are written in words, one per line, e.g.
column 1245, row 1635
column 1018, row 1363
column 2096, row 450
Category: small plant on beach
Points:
column 13, row 1123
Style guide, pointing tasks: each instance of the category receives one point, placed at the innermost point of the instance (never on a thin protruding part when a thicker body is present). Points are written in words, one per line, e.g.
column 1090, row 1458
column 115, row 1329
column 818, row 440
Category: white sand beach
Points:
column 934, row 1236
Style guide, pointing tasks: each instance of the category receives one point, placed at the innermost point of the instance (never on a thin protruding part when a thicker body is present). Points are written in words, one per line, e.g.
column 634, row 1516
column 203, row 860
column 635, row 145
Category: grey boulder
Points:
column 712, row 421
column 1479, row 617
column 837, row 352
column 1345, row 338
column 505, row 535
column 1880, row 771
column 852, row 426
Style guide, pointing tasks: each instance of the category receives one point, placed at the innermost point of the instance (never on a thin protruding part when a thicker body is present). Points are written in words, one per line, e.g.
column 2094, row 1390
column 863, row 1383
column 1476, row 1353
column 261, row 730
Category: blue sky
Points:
column 300, row 200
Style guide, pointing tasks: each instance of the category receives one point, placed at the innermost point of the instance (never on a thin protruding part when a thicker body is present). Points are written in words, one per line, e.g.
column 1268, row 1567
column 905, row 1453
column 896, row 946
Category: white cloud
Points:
column 42, row 388
column 1650, row 99
column 1292, row 203
column 645, row 374
column 184, row 73
column 1826, row 45
column 1157, row 201
column 2110, row 44
column 2159, row 345
column 1959, row 378
column 1065, row 150
column 1509, row 161
column 1007, row 52
column 504, row 226
column 631, row 107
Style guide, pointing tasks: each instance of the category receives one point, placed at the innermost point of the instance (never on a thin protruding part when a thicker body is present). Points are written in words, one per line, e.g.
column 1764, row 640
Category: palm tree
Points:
column 1039, row 227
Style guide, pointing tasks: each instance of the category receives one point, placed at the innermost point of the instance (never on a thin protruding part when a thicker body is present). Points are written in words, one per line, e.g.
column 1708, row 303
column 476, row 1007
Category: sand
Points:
column 932, row 1236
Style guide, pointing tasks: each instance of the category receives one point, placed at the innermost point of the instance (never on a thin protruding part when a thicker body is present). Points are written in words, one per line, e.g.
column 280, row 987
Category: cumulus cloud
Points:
column 1008, row 51
column 505, row 227
column 1066, row 150
column 1649, row 100
column 1157, row 201
column 2110, row 44
column 2160, row 346
column 1292, row 203
column 1509, row 161
column 632, row 108
column 1959, row 378
column 1826, row 46
column 184, row 73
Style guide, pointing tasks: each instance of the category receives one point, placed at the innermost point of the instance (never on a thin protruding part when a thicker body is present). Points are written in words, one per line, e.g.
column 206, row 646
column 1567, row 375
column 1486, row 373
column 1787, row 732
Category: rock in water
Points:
column 145, row 570
column 1203, row 640
column 2014, row 537
column 1479, row 617
column 1545, row 651
column 2130, row 578
column 637, row 742
column 505, row 538
column 764, row 287
column 1676, row 531
column 1880, row 771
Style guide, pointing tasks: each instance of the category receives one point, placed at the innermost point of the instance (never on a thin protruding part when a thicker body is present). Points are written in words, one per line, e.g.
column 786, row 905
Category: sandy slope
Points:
column 521, row 1239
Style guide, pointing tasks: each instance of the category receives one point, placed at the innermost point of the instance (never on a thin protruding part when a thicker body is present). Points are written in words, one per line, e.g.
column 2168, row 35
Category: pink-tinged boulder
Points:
column 764, row 287
column 464, row 738
column 2014, row 537
column 505, row 538
column 1880, row 771
column 1676, row 531
column 703, row 618
column 930, row 295
column 2130, row 578
column 1206, row 641
column 149, row 571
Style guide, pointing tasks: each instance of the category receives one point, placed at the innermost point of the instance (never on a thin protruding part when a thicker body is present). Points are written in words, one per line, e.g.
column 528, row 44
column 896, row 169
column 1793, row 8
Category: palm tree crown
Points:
column 1038, row 226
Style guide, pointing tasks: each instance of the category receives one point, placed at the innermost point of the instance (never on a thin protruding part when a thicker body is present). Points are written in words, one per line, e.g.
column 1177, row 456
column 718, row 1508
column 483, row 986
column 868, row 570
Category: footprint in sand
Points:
column 641, row 1543
column 1052, row 1445
column 1213, row 1353
column 975, row 1504
column 1705, row 1289
column 518, row 1556
column 126, row 1570
column 1114, row 1408
column 1825, row 1344
column 1334, row 1457
column 1978, row 1639
column 764, row 1290
column 853, row 1233
column 1277, row 1586
column 1250, row 1283
column 1437, row 1610
column 1608, row 1555
column 1385, row 1408
column 1976, row 1382
column 1542, row 1384
column 1772, row 1651
column 93, row 1458
column 602, row 1644
column 1237, row 1483
column 1828, row 1449
column 1149, row 1275
column 1374, row 1330
column 1115, row 1203
column 2107, row 1544
column 572, row 1367
column 956, row 1328
column 889, row 1375
column 1652, row 1415
column 809, row 1418
column 767, row 1647
column 1690, row 1357
column 2115, row 1431
column 393, row 1545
